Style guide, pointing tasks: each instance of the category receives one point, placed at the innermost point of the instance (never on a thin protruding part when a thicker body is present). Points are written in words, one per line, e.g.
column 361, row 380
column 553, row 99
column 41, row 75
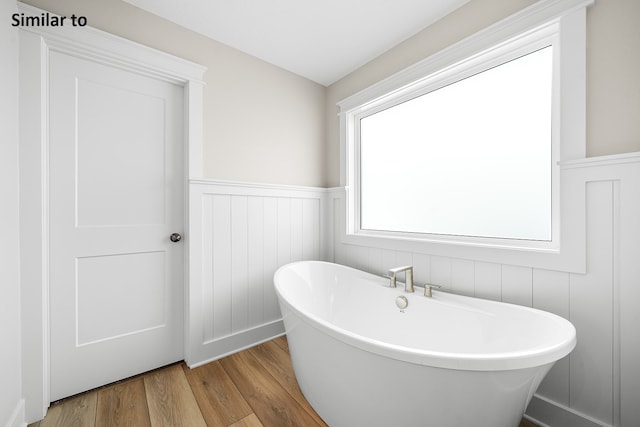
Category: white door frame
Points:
column 35, row 43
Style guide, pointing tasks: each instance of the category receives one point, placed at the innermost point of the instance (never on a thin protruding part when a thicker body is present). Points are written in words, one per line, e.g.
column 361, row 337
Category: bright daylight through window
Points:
column 471, row 158
column 466, row 154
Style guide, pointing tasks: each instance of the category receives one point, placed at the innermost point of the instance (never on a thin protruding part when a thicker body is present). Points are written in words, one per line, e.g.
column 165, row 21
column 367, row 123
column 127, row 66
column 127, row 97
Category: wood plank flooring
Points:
column 253, row 388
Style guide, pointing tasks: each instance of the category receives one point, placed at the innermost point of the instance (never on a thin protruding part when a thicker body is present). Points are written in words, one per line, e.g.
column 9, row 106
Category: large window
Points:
column 460, row 154
column 472, row 158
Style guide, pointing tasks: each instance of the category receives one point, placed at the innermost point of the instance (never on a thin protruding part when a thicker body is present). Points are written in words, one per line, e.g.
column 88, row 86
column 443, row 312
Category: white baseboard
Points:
column 547, row 413
column 17, row 417
column 225, row 346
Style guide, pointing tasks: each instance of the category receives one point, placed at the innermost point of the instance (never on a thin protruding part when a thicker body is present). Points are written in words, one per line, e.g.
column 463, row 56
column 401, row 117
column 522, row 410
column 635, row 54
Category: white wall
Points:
column 11, row 405
column 240, row 234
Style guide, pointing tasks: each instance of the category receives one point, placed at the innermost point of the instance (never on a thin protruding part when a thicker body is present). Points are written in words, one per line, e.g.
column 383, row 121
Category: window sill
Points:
column 567, row 253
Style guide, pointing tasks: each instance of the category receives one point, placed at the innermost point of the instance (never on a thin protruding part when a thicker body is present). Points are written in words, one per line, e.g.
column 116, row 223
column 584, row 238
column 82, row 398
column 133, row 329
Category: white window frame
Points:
column 557, row 23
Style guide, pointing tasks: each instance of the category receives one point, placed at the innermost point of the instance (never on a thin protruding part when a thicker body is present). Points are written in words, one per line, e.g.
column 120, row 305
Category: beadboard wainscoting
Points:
column 239, row 234
column 599, row 383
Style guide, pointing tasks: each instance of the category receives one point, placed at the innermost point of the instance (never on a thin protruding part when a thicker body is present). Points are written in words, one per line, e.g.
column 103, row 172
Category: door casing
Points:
column 35, row 43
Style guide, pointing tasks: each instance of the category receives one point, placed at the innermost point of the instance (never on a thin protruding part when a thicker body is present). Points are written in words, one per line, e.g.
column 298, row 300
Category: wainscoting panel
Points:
column 239, row 235
column 551, row 293
column 599, row 383
column 591, row 311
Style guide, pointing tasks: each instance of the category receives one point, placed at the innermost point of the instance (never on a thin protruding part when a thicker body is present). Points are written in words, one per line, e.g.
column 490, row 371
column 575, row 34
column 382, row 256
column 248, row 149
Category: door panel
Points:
column 102, row 281
column 118, row 137
column 116, row 194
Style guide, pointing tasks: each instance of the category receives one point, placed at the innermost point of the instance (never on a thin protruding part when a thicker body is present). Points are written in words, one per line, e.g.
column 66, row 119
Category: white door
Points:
column 116, row 195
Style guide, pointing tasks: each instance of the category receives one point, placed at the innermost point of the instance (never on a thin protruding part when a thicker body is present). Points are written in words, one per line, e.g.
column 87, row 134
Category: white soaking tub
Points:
column 443, row 361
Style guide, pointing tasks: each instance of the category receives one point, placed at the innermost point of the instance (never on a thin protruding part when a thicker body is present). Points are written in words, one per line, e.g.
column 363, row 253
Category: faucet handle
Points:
column 392, row 280
column 427, row 289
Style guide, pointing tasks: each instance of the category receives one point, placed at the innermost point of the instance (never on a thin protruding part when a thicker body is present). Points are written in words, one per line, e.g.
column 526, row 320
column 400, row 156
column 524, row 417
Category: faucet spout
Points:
column 408, row 271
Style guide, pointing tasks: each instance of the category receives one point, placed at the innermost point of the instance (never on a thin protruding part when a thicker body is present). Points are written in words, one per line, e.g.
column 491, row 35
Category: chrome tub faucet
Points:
column 408, row 272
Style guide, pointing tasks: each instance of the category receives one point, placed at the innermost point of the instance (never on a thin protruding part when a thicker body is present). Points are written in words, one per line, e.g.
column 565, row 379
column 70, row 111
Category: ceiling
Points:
column 322, row 40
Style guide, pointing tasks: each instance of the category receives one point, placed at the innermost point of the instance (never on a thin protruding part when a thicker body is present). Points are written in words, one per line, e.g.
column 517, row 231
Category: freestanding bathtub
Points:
column 445, row 361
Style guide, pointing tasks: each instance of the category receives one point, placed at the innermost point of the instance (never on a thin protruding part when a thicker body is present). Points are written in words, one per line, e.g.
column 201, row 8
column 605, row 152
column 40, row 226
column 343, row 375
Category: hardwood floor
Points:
column 253, row 388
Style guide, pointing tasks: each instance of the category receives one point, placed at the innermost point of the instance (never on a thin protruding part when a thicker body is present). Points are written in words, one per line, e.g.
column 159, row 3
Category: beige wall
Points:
column 265, row 124
column 613, row 86
column 613, row 64
column 261, row 123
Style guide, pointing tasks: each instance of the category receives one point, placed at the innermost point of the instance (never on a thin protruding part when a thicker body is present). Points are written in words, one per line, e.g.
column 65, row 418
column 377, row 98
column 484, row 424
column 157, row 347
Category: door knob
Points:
column 175, row 237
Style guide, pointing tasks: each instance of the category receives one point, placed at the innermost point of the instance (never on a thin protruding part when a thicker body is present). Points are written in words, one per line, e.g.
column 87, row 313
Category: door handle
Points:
column 175, row 237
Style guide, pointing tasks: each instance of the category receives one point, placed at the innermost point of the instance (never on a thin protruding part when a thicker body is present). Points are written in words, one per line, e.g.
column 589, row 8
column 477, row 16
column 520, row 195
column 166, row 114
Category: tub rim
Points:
column 449, row 360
